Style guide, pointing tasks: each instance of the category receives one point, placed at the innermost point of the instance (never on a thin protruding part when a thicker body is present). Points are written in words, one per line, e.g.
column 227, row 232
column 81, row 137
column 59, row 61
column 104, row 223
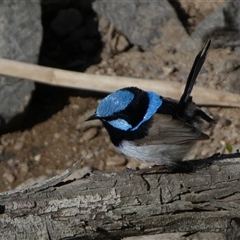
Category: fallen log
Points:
column 104, row 205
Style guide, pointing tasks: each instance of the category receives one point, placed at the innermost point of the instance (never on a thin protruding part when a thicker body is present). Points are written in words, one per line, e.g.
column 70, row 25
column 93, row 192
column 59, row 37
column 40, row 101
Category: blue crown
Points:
column 118, row 101
column 114, row 103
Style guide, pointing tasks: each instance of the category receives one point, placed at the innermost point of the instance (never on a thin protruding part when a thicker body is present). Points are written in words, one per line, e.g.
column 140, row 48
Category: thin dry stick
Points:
column 101, row 83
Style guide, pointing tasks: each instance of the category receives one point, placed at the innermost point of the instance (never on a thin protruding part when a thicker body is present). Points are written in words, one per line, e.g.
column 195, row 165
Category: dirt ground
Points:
column 50, row 146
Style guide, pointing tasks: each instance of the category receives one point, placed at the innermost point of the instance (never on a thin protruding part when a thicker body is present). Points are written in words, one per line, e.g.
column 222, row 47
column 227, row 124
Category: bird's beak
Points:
column 92, row 117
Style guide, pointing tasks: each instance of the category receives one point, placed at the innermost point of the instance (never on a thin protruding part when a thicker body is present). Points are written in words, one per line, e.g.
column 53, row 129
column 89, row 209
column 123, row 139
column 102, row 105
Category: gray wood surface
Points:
column 116, row 205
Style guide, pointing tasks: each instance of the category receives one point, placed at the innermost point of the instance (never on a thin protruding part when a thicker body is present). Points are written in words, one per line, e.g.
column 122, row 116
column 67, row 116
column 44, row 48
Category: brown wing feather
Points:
column 167, row 130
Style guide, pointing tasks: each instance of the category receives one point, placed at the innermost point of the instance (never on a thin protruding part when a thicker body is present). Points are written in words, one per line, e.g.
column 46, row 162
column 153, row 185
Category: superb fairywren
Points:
column 151, row 128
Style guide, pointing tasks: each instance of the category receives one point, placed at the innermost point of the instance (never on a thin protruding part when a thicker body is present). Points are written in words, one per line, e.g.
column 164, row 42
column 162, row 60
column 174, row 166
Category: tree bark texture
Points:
column 115, row 205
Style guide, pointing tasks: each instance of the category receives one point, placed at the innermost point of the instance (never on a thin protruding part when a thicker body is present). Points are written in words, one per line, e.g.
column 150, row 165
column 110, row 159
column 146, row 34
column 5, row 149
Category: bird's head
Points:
column 127, row 108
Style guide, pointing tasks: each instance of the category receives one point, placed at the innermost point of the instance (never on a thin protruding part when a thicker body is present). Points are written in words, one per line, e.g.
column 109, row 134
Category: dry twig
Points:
column 53, row 76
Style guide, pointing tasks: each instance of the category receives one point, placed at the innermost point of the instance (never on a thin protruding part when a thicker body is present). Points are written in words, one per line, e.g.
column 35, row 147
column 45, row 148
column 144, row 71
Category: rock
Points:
column 71, row 30
column 119, row 43
column 226, row 65
column 23, row 169
column 21, row 36
column 116, row 161
column 18, row 145
column 79, row 173
column 231, row 11
column 66, row 21
column 225, row 122
column 103, row 26
column 145, row 24
column 208, row 27
column 234, row 83
column 89, row 134
column 37, row 157
column 223, row 26
column 10, row 178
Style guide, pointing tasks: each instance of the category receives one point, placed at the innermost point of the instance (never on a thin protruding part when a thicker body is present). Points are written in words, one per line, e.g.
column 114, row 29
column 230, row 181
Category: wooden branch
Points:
column 52, row 76
column 115, row 205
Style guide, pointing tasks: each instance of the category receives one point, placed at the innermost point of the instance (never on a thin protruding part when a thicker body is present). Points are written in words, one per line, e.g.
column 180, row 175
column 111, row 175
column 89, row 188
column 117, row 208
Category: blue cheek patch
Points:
column 154, row 103
column 120, row 124
column 113, row 103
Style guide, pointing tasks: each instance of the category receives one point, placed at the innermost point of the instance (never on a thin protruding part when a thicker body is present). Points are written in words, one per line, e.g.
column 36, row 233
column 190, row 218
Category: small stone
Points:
column 144, row 165
column 132, row 164
column 34, row 133
column 224, row 121
column 49, row 172
column 110, row 72
column 5, row 140
column 103, row 25
column 92, row 69
column 101, row 165
column 122, row 43
column 10, row 178
column 103, row 64
column 168, row 70
column 84, row 152
column 18, row 145
column 24, row 169
column 232, row 141
column 116, row 161
column 37, row 158
column 57, row 135
column 78, row 173
column 88, row 156
column 74, row 106
column 204, row 152
column 234, row 83
column 74, row 148
column 237, row 126
column 89, row 134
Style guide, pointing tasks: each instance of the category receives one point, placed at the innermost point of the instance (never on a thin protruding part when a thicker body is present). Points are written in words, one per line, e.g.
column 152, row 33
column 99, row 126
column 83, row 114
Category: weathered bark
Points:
column 115, row 205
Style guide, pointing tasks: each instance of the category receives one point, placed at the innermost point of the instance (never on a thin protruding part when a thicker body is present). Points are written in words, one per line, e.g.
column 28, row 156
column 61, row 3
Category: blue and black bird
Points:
column 151, row 128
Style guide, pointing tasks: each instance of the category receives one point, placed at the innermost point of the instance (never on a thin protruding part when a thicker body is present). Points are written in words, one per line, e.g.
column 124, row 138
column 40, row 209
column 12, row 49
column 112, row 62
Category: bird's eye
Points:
column 107, row 119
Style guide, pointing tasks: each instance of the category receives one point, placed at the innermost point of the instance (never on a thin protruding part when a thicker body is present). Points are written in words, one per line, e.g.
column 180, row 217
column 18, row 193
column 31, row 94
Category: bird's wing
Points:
column 166, row 130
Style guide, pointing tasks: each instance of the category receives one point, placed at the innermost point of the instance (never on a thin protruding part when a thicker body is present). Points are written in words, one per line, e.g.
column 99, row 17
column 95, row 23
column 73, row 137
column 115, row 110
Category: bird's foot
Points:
column 152, row 170
column 179, row 167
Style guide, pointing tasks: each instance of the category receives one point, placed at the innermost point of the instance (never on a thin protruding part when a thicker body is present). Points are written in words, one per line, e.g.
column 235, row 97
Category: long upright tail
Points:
column 183, row 104
column 196, row 68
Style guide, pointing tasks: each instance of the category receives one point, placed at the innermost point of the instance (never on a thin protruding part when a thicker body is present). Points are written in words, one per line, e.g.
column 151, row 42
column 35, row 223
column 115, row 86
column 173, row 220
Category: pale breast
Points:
column 162, row 154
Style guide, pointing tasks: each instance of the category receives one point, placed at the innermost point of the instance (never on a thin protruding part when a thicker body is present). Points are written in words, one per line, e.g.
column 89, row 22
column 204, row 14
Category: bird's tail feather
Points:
column 196, row 68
